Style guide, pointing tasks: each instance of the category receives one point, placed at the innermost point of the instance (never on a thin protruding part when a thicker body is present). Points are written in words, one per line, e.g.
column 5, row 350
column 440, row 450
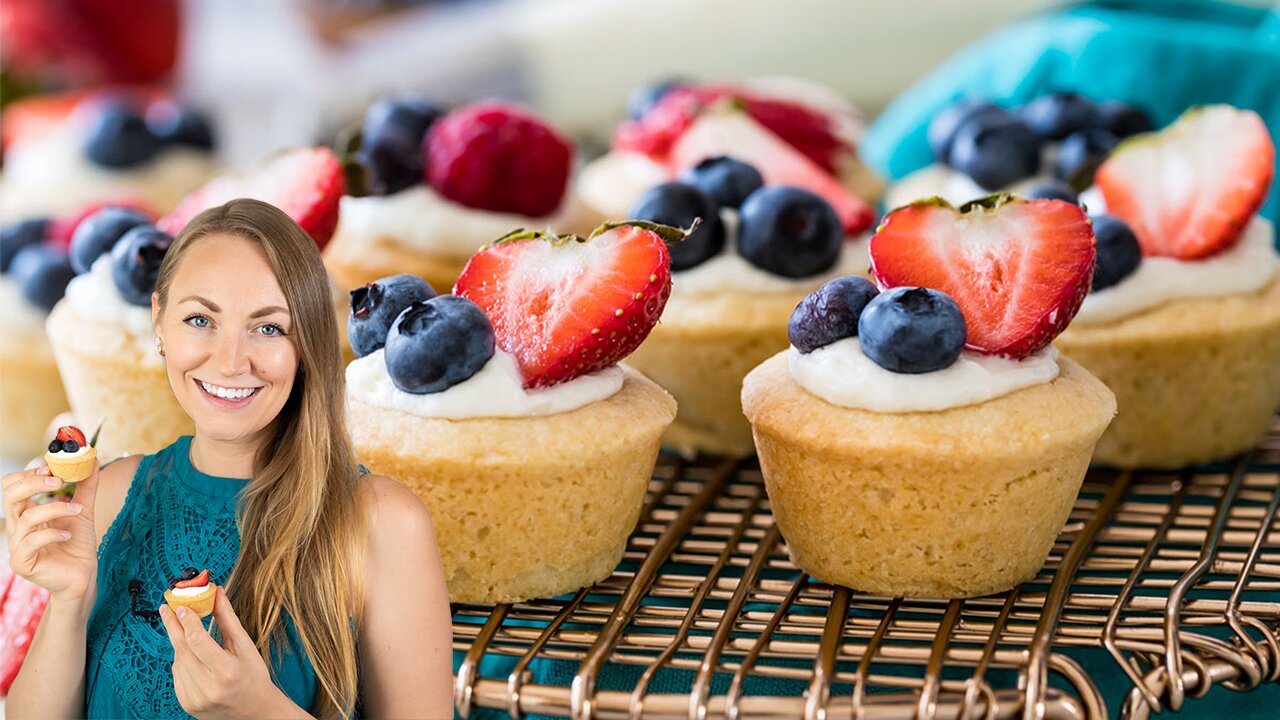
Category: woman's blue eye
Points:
column 272, row 330
column 198, row 321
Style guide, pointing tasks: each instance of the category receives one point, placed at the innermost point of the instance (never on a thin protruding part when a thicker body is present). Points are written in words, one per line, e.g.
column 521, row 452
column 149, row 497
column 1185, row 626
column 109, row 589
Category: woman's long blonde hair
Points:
column 301, row 529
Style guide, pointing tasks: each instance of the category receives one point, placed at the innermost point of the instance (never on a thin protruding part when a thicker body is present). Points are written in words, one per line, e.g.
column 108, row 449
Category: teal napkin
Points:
column 1163, row 56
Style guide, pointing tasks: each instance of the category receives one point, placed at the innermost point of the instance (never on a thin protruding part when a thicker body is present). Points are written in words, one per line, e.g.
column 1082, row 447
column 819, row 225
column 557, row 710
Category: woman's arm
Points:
column 406, row 631
column 51, row 682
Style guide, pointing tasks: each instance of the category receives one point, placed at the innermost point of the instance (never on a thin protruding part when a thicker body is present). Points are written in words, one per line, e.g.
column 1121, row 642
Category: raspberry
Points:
column 493, row 156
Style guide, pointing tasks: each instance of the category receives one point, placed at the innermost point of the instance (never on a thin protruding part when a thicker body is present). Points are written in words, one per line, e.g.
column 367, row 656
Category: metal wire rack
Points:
column 1175, row 576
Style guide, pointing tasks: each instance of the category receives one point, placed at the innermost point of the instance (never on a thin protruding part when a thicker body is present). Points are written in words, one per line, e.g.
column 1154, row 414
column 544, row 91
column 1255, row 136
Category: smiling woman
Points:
column 317, row 609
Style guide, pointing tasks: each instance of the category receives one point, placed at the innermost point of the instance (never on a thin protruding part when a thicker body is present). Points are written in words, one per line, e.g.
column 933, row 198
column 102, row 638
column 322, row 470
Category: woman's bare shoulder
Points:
column 114, row 479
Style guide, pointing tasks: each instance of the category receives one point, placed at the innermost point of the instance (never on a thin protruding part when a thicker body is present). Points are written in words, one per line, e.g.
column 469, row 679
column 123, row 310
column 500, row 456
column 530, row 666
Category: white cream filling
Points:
column 51, row 175
column 613, row 182
column 93, row 296
column 189, row 591
column 420, row 218
column 64, row 455
column 497, row 390
column 842, row 375
column 1247, row 266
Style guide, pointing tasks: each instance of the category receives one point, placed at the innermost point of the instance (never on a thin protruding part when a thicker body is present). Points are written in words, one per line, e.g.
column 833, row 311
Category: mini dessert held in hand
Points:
column 925, row 439
column 70, row 457
column 530, row 445
column 192, row 590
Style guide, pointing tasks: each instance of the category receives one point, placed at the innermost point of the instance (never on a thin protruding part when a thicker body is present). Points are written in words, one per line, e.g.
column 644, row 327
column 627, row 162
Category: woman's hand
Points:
column 53, row 545
column 224, row 681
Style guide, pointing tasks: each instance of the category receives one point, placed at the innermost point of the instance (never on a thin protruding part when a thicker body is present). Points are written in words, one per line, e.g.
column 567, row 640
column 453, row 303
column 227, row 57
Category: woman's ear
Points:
column 155, row 314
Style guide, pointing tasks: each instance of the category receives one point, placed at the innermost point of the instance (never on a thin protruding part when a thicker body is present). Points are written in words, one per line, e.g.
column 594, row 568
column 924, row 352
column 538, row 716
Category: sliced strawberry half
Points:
column 305, row 182
column 71, row 432
column 729, row 131
column 1189, row 190
column 33, row 116
column 1019, row 269
column 198, row 581
column 565, row 306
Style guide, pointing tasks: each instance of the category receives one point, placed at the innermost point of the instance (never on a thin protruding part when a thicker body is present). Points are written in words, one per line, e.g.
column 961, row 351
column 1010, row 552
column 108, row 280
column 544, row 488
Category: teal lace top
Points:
column 173, row 517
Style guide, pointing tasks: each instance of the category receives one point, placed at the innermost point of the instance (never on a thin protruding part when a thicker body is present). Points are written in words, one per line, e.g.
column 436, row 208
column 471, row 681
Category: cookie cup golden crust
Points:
column 72, row 469
column 201, row 604
column 949, row 504
column 111, row 381
column 700, row 352
column 30, row 395
column 1195, row 380
column 525, row 507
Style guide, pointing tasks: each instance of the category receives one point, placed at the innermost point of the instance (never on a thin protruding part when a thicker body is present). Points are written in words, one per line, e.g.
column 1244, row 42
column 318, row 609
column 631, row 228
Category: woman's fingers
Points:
column 37, row 515
column 19, row 487
column 87, row 491
column 22, row 555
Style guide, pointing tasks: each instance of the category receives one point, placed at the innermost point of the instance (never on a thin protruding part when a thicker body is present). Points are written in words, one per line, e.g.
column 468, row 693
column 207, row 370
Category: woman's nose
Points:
column 232, row 355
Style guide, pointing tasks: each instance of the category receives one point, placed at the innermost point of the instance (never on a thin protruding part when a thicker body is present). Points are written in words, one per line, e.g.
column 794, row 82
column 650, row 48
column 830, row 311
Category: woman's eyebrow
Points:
column 270, row 310
column 203, row 301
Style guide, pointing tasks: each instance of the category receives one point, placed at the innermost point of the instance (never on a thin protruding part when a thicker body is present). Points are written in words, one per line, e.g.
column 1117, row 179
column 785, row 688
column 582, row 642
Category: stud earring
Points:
column 159, row 347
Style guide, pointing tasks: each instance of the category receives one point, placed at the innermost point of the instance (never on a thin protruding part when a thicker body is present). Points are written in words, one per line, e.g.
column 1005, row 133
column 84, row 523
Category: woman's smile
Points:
column 228, row 397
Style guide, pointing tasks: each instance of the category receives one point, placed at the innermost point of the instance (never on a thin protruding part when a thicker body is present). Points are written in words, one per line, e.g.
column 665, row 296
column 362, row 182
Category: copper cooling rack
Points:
column 1172, row 578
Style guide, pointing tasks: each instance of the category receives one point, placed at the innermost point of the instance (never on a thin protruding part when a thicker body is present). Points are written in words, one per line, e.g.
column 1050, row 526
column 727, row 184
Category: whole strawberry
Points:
column 1019, row 269
column 498, row 157
column 568, row 306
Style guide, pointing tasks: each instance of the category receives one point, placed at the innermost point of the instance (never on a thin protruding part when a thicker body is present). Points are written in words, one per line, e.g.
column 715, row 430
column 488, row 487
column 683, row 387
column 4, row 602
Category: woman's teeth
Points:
column 227, row 393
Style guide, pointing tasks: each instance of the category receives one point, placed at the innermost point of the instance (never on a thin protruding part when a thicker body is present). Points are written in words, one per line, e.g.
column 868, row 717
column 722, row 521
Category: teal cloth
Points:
column 173, row 517
column 1162, row 56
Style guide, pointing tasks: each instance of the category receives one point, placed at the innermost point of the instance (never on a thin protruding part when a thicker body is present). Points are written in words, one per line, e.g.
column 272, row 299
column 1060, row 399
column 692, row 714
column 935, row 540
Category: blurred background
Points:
column 292, row 71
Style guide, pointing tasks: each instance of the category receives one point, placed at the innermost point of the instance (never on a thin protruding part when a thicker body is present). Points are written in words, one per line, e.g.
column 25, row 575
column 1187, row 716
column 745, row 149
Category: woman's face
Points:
column 226, row 333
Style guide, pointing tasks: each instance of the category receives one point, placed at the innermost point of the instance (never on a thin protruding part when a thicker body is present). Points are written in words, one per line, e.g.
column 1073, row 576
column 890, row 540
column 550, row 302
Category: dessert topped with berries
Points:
column 793, row 132
column 1176, row 214
column 438, row 184
column 970, row 300
column 536, row 325
column 69, row 150
column 1047, row 148
column 70, row 457
column 192, row 589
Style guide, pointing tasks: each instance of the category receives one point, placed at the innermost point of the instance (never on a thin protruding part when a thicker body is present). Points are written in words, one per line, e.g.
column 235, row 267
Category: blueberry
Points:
column 188, row 573
column 830, row 313
column 98, row 233
column 912, row 330
column 183, row 126
column 1053, row 117
column 789, row 231
column 135, row 261
column 678, row 205
column 1052, row 190
column 42, row 273
column 119, row 138
column 1119, row 253
column 19, row 235
column 1123, row 119
column 375, row 307
column 644, row 97
column 995, row 150
column 55, row 446
column 727, row 181
column 1080, row 155
column 391, row 142
column 942, row 131
column 436, row 344
column 70, row 446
